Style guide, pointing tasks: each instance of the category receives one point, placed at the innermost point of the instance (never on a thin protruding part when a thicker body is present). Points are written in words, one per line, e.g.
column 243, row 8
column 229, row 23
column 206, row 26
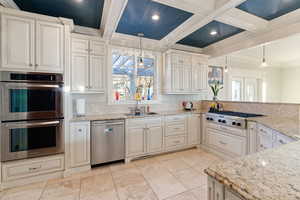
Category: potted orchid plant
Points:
column 216, row 87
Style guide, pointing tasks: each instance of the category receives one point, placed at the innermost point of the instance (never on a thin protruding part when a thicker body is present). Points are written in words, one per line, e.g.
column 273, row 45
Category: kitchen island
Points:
column 273, row 174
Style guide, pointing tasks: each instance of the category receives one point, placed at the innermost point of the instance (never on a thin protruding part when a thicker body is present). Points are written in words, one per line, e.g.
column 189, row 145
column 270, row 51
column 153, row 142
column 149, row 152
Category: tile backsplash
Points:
column 96, row 104
column 269, row 109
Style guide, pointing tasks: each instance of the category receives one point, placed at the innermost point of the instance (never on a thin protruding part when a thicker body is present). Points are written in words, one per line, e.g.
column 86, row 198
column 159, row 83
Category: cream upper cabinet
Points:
column 96, row 73
column 194, row 129
column 80, row 144
column 30, row 45
column 88, row 65
column 49, row 47
column 18, row 43
column 80, row 46
column 184, row 73
column 97, row 48
column 80, row 72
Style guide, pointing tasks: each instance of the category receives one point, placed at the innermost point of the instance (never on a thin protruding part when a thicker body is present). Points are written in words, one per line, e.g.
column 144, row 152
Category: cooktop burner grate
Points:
column 237, row 114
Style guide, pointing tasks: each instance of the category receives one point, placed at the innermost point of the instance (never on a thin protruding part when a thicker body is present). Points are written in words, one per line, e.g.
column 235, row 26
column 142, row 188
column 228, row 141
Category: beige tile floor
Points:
column 174, row 176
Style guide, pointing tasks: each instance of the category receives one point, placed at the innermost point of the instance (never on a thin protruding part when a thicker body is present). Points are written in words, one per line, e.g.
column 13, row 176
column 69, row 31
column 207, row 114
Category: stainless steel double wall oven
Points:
column 31, row 115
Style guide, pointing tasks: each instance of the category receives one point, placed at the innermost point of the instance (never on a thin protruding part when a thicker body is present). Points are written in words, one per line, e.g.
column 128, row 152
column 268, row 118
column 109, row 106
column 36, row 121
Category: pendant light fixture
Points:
column 140, row 59
column 226, row 64
column 264, row 62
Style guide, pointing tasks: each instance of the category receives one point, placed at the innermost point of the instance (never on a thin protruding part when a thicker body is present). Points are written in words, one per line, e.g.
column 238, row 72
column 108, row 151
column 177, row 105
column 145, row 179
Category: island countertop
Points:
column 287, row 126
column 273, row 174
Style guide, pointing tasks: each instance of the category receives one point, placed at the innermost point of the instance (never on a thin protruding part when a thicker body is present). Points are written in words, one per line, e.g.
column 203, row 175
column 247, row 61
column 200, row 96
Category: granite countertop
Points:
column 273, row 174
column 124, row 116
column 287, row 126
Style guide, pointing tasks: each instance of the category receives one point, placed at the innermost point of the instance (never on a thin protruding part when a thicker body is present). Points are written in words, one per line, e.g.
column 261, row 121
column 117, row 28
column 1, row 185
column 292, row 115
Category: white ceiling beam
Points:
column 278, row 28
column 243, row 20
column 112, row 17
column 192, row 6
column 9, row 4
column 197, row 21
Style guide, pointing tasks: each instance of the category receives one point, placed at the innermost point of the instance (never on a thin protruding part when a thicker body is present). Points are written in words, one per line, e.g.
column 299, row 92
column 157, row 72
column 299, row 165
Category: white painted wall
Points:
column 290, row 85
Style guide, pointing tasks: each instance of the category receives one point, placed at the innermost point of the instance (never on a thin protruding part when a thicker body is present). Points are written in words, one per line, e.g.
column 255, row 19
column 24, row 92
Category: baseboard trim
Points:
column 71, row 171
column 30, row 180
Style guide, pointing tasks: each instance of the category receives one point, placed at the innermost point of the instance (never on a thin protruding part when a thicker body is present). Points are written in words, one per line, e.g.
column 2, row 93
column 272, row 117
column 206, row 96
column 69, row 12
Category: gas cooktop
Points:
column 230, row 118
column 237, row 114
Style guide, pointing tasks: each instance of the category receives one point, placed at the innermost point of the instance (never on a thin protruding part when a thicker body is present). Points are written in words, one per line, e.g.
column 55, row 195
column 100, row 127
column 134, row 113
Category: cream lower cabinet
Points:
column 80, row 144
column 268, row 138
column 31, row 45
column 194, row 129
column 144, row 136
column 136, row 141
column 155, row 139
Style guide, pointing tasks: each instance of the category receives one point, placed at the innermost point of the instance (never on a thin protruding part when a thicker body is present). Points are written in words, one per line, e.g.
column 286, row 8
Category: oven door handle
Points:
column 26, row 85
column 32, row 124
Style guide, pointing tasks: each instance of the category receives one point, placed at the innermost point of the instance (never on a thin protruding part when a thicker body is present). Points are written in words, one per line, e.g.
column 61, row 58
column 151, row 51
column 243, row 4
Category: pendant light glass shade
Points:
column 226, row 65
column 264, row 62
column 140, row 59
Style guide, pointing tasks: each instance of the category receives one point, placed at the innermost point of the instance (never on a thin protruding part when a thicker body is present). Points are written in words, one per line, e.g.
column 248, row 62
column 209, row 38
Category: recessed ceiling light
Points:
column 79, row 1
column 155, row 17
column 213, row 32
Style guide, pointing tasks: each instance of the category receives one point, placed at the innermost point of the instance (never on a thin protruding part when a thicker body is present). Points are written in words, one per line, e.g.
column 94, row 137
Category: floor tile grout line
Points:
column 43, row 190
column 115, row 185
column 148, row 183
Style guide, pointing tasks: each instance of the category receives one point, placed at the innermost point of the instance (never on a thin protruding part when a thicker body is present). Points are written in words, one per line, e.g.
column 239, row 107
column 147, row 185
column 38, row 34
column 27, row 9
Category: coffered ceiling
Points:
column 215, row 27
column 86, row 13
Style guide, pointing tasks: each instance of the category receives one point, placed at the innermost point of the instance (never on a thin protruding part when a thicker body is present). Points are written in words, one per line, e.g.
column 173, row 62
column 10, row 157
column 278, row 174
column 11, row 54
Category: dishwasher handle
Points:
column 101, row 123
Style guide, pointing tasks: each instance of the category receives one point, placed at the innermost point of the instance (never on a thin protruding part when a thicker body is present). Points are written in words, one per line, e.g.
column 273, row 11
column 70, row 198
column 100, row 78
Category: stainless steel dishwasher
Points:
column 108, row 141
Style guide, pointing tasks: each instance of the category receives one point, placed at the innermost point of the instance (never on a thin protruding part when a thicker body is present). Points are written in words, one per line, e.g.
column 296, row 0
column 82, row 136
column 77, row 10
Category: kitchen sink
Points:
column 141, row 115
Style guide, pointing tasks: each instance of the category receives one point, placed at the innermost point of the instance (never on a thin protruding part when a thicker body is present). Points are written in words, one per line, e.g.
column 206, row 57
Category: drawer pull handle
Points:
column 34, row 168
column 79, row 130
column 221, row 142
column 177, row 142
column 282, row 142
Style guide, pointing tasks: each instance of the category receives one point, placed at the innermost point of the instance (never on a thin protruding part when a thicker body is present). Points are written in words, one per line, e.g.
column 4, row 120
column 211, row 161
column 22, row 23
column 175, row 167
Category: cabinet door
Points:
column 194, row 129
column 97, row 48
column 177, row 79
column 49, row 47
column 196, row 78
column 264, row 138
column 155, row 139
column 219, row 191
column 80, row 144
column 136, row 142
column 204, row 77
column 80, row 72
column 80, row 46
column 96, row 73
column 187, row 79
column 17, row 43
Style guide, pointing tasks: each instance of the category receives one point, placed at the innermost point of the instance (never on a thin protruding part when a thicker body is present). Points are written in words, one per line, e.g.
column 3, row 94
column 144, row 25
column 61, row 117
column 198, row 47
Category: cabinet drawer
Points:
column 176, row 129
column 280, row 139
column 175, row 141
column 153, row 122
column 229, row 143
column 175, row 119
column 136, row 123
column 228, row 129
column 32, row 167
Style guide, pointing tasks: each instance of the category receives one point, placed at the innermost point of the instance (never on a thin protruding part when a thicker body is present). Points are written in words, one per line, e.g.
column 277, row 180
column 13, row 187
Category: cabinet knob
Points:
column 36, row 65
column 30, row 65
